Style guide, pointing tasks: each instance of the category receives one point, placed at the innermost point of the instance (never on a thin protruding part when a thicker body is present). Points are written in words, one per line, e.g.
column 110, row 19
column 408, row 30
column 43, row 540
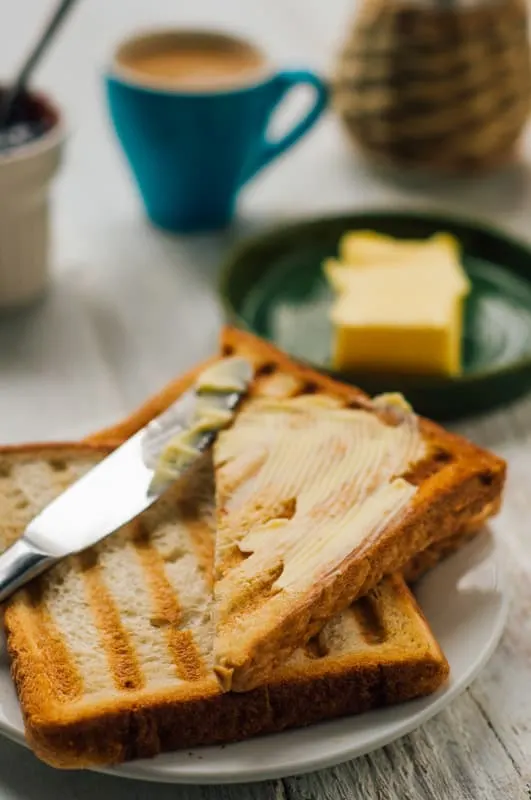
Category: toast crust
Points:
column 427, row 559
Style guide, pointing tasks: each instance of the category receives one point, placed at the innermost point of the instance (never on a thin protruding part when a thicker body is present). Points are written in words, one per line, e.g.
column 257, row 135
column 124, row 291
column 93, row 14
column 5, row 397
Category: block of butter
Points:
column 364, row 247
column 399, row 305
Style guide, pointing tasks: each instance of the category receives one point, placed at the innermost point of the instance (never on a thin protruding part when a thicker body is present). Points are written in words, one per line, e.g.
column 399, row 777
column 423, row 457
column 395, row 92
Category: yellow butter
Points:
column 226, row 375
column 365, row 247
column 403, row 314
column 438, row 256
column 210, row 415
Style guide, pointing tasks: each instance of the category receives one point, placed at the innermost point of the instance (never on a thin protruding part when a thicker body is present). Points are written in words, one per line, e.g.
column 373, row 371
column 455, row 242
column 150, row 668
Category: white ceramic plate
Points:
column 465, row 602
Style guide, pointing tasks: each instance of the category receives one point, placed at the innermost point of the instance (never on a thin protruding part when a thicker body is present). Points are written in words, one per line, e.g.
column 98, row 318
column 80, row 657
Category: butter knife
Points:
column 130, row 479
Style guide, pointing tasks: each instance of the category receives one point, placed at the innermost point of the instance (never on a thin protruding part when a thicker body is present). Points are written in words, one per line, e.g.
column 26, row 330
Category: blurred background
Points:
column 130, row 306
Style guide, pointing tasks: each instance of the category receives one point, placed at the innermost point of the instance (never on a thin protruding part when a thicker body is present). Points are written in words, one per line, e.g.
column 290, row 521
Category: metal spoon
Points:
column 12, row 94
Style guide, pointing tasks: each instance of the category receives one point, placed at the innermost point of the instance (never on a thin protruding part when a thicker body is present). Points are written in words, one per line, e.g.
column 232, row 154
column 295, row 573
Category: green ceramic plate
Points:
column 273, row 285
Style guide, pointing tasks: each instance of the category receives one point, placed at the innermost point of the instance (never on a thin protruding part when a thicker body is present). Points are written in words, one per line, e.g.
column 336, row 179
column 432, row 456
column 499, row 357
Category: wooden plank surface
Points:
column 130, row 307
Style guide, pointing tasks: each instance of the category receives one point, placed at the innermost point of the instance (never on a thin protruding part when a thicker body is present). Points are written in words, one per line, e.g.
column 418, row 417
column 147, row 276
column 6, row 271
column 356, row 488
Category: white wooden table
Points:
column 131, row 307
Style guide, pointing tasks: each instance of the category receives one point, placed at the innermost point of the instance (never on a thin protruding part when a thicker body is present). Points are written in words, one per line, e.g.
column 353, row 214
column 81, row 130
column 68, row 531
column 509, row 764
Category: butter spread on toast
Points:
column 331, row 473
column 226, row 375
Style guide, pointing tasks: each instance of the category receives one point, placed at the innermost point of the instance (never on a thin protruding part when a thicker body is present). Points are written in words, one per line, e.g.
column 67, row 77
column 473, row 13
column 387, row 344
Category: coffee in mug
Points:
column 193, row 65
column 191, row 110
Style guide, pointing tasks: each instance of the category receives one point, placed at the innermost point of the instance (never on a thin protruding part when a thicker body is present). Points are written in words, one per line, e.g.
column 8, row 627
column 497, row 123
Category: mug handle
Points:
column 283, row 82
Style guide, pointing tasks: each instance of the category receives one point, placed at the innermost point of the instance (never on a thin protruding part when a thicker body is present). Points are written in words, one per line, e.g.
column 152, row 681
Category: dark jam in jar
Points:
column 32, row 117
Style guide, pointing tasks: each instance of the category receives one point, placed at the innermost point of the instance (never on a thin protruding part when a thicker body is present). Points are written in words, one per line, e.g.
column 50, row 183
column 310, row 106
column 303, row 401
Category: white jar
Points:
column 25, row 176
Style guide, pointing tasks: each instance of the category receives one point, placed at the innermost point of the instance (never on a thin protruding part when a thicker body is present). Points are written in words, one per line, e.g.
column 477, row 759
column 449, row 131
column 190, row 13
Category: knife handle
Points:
column 19, row 564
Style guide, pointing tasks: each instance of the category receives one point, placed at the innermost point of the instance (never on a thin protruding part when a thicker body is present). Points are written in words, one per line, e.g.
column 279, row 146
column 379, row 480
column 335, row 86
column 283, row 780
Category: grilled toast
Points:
column 456, row 484
column 302, row 531
column 112, row 650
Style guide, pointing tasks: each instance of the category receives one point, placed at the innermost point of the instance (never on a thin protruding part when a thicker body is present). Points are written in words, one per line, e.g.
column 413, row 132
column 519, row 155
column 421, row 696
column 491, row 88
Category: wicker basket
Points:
column 443, row 88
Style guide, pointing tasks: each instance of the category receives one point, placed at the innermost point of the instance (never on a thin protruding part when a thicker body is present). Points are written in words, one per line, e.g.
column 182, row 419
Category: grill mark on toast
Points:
column 64, row 679
column 121, row 657
column 202, row 539
column 370, row 622
column 168, row 612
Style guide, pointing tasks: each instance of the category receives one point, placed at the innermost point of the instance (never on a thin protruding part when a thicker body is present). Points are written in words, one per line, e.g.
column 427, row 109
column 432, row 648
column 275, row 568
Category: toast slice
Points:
column 302, row 531
column 112, row 650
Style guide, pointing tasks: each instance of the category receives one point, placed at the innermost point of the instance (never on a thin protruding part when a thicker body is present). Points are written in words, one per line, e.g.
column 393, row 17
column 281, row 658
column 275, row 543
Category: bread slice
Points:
column 280, row 573
column 111, row 651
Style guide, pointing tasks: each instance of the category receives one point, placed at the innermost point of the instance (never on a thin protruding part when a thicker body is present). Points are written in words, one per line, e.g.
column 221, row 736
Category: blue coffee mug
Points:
column 191, row 151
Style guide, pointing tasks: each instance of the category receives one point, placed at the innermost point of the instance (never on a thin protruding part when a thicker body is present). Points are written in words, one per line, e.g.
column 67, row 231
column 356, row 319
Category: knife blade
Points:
column 126, row 482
